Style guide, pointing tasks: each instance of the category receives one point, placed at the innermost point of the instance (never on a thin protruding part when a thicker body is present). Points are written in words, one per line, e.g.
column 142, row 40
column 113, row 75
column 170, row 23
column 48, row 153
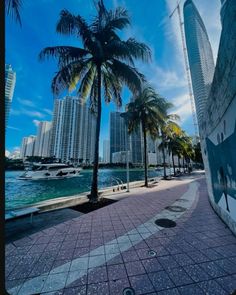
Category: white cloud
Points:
column 32, row 113
column 13, row 128
column 165, row 79
column 49, row 112
column 36, row 122
column 182, row 107
column 26, row 102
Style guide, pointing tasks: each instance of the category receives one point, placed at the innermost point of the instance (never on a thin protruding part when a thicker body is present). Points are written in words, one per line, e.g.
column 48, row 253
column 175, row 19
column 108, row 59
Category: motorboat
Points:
column 50, row 171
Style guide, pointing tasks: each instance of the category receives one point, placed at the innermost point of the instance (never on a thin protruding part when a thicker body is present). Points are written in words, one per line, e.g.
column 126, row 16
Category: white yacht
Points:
column 50, row 171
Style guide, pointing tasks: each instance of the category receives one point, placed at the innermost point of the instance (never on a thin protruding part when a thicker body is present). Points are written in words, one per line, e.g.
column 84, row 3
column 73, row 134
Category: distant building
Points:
column 106, row 151
column 117, row 134
column 43, row 139
column 200, row 56
column 7, row 153
column 27, row 146
column 136, row 146
column 15, row 155
column 120, row 157
column 73, row 131
column 10, row 81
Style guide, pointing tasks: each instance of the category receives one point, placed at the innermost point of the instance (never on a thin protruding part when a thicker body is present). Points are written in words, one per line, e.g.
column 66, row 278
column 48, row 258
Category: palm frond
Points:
column 66, row 77
column 64, row 54
column 87, row 82
column 128, row 75
column 12, row 8
column 70, row 24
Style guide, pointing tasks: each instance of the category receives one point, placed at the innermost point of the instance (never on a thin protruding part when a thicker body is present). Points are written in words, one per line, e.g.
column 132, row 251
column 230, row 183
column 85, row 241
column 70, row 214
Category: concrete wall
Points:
column 218, row 129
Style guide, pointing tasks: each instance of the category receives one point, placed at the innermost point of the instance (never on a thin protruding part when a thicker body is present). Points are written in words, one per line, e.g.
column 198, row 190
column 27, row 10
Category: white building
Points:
column 15, row 155
column 106, row 151
column 43, row 140
column 73, row 131
column 200, row 56
column 27, row 146
column 10, row 81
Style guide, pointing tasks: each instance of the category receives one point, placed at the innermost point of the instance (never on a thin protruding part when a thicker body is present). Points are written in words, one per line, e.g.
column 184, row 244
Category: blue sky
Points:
column 33, row 99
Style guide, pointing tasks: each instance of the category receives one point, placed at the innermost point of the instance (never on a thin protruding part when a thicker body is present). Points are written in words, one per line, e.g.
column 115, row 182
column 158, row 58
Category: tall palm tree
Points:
column 105, row 62
column 174, row 141
column 187, row 149
column 147, row 110
column 167, row 129
column 12, row 8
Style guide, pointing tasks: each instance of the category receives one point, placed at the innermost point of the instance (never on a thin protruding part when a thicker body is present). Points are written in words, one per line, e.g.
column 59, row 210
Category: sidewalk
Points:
column 120, row 246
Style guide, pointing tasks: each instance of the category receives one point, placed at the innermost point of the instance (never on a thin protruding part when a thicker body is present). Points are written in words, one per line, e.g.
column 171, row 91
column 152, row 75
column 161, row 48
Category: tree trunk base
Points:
column 94, row 199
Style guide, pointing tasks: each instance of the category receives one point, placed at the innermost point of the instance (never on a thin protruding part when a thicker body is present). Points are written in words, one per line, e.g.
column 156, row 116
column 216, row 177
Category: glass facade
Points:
column 10, row 81
column 200, row 56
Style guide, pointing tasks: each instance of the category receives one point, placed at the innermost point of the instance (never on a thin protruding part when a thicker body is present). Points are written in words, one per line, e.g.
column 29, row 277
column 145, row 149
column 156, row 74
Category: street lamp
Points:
column 127, row 151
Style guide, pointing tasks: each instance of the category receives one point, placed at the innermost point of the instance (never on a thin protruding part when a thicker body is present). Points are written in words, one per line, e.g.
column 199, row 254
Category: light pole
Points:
column 127, row 151
column 127, row 162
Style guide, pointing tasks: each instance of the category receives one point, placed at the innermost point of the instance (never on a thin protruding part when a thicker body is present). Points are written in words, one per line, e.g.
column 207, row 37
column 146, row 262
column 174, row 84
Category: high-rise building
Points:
column 73, row 131
column 43, row 140
column 27, row 146
column 106, row 151
column 118, row 134
column 10, row 81
column 200, row 56
column 136, row 146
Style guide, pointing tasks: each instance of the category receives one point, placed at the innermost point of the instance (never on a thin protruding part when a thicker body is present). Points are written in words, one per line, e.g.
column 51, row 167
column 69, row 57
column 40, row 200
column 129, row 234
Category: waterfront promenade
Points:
column 120, row 246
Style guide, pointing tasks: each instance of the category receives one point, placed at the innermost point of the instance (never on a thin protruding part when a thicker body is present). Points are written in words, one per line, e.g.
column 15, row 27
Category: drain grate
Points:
column 152, row 253
column 175, row 208
column 128, row 291
column 164, row 222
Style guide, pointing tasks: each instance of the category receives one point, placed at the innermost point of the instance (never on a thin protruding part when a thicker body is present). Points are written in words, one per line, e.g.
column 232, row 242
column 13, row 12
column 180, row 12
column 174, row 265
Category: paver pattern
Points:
column 106, row 251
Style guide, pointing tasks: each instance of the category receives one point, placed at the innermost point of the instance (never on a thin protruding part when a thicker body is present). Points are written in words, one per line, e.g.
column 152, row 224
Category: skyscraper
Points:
column 117, row 134
column 73, row 131
column 27, row 146
column 106, row 151
column 42, row 143
column 10, row 81
column 136, row 146
column 200, row 56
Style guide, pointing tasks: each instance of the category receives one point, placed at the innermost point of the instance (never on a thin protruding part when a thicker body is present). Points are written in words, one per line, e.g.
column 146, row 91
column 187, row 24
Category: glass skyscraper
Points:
column 117, row 134
column 200, row 56
column 10, row 81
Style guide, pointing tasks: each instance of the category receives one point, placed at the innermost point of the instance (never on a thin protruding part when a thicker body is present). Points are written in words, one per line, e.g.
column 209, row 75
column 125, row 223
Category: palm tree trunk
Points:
column 183, row 165
column 145, row 154
column 179, row 162
column 94, row 188
column 163, row 155
column 173, row 162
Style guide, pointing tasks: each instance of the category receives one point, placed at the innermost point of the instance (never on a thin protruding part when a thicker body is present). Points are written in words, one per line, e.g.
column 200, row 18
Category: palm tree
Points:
column 167, row 129
column 187, row 149
column 12, row 8
column 104, row 63
column 147, row 110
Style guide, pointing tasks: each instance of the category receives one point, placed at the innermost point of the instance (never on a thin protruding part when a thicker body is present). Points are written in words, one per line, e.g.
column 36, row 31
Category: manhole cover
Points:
column 128, row 291
column 175, row 208
column 164, row 222
column 152, row 253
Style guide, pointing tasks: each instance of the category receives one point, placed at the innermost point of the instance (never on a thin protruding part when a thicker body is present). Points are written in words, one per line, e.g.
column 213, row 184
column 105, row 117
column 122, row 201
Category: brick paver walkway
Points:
column 120, row 246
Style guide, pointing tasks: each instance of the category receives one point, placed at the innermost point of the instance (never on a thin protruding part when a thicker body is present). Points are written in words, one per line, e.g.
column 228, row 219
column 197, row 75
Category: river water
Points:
column 20, row 193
